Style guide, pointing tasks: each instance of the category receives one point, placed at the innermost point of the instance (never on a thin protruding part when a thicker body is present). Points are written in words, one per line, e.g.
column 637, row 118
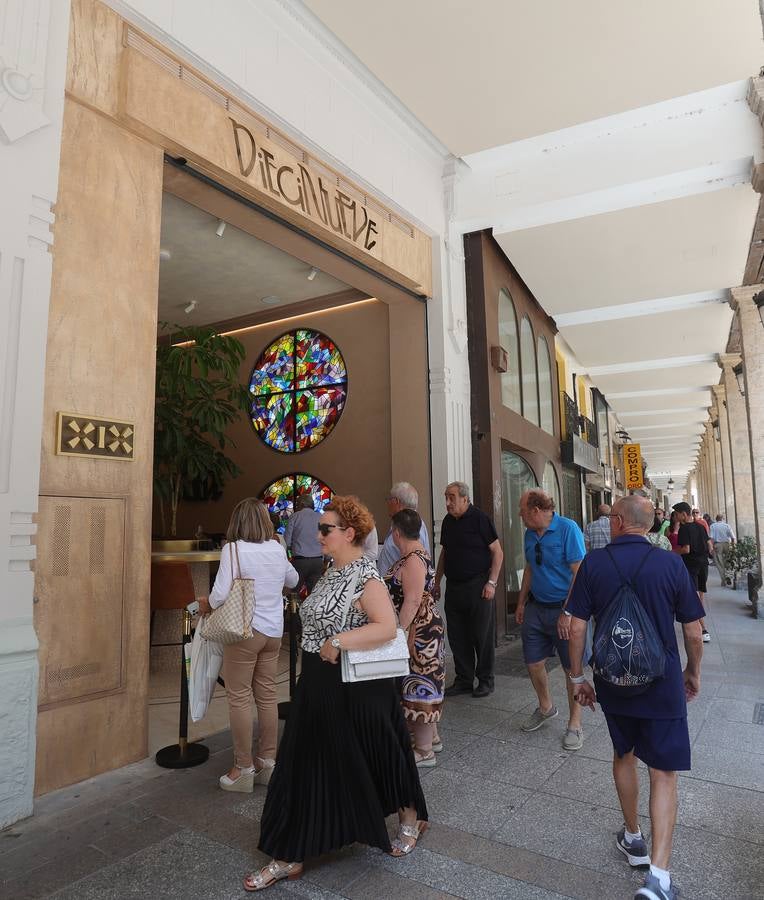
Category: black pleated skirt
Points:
column 344, row 764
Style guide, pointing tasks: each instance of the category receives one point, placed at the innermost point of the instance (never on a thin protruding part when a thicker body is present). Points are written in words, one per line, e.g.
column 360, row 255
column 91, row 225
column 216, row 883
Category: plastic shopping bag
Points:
column 206, row 662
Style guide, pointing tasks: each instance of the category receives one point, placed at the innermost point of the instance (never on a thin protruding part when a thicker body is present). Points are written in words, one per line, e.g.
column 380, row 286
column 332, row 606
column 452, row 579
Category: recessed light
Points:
column 270, row 300
column 164, row 254
column 221, row 228
column 313, row 272
column 190, row 308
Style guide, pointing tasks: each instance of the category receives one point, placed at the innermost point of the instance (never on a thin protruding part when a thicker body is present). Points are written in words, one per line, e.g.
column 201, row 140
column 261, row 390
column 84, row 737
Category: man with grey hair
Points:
column 402, row 496
column 651, row 725
column 301, row 537
column 471, row 557
column 597, row 533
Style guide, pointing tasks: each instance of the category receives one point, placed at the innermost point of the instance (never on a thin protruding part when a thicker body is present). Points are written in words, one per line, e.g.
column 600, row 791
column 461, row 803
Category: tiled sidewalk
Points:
column 513, row 815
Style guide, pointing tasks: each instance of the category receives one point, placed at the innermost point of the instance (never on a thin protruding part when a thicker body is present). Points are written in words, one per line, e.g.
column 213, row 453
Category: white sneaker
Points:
column 263, row 775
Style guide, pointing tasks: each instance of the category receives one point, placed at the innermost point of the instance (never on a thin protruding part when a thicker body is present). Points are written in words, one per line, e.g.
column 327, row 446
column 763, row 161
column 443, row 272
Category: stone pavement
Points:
column 514, row 816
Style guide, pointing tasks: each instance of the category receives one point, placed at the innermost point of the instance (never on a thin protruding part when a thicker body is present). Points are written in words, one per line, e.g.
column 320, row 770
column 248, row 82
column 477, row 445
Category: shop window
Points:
column 299, row 388
column 528, row 367
column 551, row 485
column 516, row 478
column 510, row 380
column 280, row 495
column 546, row 403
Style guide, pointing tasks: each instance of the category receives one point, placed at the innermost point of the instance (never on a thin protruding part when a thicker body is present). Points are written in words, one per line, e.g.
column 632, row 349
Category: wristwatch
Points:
column 492, row 583
column 335, row 642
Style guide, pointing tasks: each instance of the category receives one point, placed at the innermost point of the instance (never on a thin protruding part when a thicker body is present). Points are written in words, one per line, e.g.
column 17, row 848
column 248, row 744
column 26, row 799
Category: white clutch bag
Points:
column 391, row 660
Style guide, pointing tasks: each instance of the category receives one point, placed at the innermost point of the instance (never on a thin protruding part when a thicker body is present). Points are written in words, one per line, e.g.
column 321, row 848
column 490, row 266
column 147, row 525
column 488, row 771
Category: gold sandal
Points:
column 413, row 832
column 270, row 874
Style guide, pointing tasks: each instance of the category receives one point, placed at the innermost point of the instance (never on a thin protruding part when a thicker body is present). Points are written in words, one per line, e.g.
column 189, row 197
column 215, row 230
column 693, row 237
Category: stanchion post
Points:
column 293, row 612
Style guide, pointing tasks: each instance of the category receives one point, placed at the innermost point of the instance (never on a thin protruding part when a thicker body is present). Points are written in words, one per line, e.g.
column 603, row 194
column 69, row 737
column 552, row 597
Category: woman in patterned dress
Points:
column 411, row 580
column 345, row 761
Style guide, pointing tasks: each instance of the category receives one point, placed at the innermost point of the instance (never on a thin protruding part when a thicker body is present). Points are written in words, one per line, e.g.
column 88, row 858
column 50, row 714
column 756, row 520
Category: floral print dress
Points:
column 423, row 689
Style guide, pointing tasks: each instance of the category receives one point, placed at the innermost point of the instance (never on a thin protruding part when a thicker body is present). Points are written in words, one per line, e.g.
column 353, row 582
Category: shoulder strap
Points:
column 235, row 549
column 633, row 578
column 349, row 595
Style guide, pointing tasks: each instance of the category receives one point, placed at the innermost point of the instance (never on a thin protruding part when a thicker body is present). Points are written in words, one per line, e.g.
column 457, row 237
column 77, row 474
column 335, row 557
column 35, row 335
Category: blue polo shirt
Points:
column 560, row 545
column 666, row 592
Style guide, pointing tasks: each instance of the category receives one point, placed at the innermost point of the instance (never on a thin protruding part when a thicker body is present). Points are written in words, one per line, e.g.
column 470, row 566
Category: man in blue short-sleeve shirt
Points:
column 554, row 548
column 652, row 725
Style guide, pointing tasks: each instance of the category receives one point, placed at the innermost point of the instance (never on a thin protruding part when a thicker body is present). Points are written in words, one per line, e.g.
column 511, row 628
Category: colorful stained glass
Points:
column 299, row 389
column 280, row 495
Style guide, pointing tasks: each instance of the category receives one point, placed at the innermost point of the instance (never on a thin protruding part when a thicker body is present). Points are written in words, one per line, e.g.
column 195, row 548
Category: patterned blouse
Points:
column 322, row 613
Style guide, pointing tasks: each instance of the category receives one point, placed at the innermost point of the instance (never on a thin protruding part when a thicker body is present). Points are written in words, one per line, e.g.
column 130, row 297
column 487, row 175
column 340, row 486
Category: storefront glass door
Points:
column 516, row 478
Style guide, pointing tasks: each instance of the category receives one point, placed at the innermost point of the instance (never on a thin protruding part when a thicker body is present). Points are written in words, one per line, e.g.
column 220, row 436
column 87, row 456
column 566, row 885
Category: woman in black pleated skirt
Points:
column 345, row 761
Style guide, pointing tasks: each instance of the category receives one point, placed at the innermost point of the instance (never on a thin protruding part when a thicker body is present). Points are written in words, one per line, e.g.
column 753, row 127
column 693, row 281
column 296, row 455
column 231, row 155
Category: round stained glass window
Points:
column 299, row 388
column 280, row 495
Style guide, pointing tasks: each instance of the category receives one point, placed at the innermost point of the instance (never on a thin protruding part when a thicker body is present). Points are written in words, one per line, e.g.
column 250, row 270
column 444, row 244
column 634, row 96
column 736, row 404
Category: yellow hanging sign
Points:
column 632, row 467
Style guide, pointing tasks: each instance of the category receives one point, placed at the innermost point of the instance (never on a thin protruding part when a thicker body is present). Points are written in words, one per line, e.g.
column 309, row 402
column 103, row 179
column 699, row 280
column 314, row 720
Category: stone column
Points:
column 35, row 38
column 740, row 458
column 752, row 341
column 720, row 399
column 716, row 464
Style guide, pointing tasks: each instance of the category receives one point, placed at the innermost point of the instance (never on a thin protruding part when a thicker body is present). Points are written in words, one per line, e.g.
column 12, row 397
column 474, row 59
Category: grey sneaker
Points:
column 536, row 719
column 573, row 739
column 652, row 890
column 635, row 851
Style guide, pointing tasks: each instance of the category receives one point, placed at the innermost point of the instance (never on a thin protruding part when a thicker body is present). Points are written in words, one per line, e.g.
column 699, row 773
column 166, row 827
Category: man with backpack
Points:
column 635, row 593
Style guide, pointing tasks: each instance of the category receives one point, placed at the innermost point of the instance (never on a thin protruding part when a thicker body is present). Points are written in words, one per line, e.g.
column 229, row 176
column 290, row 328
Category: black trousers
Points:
column 310, row 569
column 471, row 628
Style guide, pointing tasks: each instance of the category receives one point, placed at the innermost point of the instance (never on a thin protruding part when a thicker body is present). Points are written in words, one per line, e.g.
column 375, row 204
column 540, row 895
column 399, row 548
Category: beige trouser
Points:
column 250, row 667
column 721, row 551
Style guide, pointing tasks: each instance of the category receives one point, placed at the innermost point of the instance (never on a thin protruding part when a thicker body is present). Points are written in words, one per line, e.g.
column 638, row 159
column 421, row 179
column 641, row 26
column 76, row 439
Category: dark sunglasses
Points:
column 325, row 528
column 538, row 554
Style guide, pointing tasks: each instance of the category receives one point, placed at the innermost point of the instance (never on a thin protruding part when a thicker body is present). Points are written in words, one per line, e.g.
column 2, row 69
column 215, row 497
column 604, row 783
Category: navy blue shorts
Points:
column 660, row 743
column 539, row 634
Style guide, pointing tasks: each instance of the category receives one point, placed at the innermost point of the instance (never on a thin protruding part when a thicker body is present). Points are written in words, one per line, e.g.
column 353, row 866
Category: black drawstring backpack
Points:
column 628, row 653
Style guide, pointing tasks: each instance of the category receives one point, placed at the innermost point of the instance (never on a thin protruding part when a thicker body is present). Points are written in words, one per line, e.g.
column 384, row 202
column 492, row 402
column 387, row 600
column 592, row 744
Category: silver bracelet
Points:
column 577, row 679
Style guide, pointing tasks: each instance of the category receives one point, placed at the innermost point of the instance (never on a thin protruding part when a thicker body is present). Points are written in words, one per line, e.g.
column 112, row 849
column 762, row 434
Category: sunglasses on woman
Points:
column 325, row 528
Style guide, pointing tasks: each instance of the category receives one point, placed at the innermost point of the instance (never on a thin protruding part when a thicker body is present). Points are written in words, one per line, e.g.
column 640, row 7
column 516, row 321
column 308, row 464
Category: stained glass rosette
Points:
column 280, row 495
column 299, row 388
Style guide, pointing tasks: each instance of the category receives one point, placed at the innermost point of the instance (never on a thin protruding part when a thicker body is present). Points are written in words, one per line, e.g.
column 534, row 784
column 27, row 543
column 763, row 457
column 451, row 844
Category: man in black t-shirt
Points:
column 695, row 546
column 471, row 557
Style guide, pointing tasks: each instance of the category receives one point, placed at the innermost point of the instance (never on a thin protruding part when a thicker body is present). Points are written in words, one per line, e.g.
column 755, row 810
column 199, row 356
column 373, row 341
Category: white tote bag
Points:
column 206, row 662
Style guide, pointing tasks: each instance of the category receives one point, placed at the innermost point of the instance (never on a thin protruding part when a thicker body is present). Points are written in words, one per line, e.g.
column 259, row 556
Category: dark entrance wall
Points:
column 495, row 427
column 355, row 458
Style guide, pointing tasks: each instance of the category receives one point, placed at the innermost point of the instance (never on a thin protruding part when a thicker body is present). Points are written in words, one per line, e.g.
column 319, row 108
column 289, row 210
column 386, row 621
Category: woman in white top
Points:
column 250, row 666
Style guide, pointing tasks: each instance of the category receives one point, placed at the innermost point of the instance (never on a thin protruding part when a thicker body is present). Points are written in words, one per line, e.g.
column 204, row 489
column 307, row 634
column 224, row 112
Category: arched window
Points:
column 546, row 404
column 528, row 368
column 510, row 380
column 551, row 485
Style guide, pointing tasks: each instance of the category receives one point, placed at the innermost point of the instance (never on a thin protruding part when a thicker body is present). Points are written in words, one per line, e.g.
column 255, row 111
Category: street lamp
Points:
column 670, row 484
column 622, row 435
column 758, row 299
column 717, row 430
column 738, row 371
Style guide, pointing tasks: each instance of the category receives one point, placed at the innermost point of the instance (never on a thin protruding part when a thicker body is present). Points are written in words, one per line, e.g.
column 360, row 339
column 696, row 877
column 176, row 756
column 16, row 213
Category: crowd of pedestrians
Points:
column 352, row 749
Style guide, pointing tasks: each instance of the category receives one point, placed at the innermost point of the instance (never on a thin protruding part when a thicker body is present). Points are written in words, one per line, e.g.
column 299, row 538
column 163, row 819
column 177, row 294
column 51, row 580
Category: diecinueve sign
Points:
column 293, row 183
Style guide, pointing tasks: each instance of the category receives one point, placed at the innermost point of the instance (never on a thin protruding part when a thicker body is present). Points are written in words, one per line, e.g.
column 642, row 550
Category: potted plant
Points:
column 742, row 558
column 198, row 397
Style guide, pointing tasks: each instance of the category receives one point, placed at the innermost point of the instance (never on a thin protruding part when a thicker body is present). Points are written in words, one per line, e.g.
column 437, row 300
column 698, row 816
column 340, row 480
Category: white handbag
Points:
column 391, row 660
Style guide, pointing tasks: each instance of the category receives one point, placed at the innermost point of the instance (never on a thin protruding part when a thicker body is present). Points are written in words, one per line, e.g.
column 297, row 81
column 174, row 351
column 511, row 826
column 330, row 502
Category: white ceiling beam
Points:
column 639, row 428
column 662, row 412
column 658, row 392
column 672, row 362
column 641, row 308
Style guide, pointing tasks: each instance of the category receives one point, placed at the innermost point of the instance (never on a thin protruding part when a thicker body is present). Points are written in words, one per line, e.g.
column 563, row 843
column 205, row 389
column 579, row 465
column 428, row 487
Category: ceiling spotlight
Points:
column 312, row 274
column 270, row 300
column 191, row 307
column 164, row 254
column 221, row 228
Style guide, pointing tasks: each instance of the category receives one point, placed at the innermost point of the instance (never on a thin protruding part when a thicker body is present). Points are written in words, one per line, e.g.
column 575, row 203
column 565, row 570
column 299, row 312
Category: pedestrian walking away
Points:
column 723, row 539
column 471, row 558
column 649, row 721
column 597, row 533
column 301, row 537
column 695, row 546
column 554, row 548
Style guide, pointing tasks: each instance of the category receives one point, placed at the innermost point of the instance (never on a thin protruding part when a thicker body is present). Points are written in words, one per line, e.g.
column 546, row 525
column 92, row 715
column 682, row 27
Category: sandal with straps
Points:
column 400, row 846
column 270, row 874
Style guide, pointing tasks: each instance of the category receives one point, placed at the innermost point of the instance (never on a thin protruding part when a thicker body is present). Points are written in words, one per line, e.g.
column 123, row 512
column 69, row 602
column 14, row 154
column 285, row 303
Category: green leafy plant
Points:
column 198, row 397
column 743, row 556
